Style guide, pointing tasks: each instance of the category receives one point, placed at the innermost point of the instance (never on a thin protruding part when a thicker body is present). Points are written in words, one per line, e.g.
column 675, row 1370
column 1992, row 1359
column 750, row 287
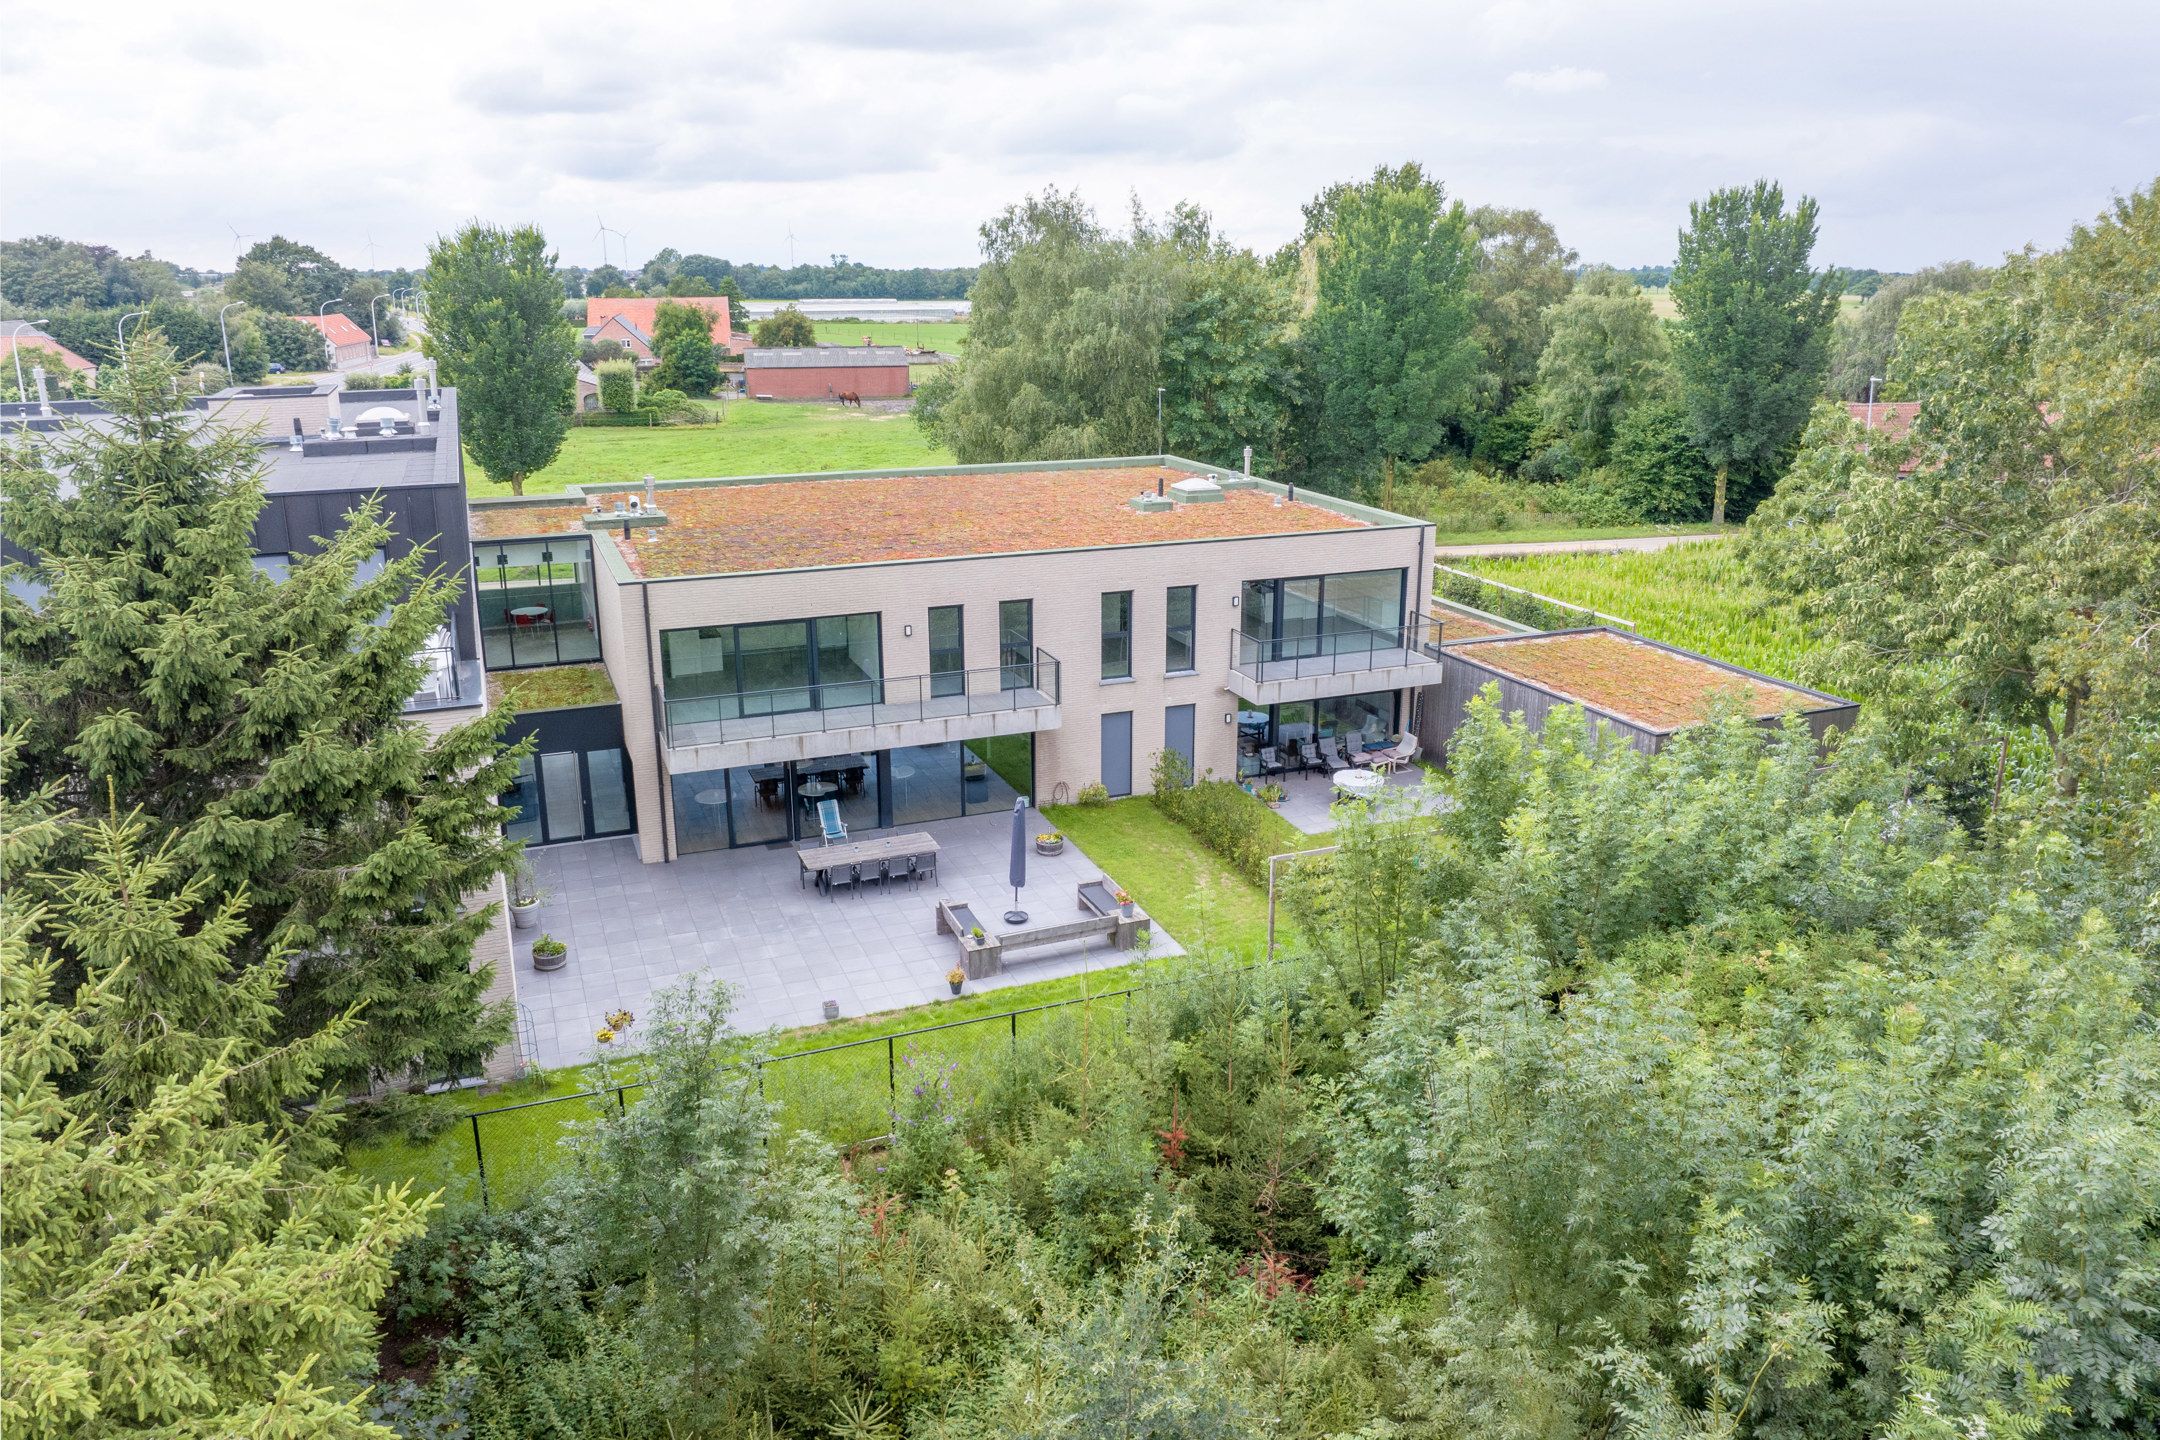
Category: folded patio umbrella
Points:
column 1017, row 872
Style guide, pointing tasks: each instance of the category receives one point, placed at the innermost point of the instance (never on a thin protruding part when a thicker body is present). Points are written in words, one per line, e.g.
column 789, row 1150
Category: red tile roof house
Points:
column 644, row 314
column 346, row 342
column 1894, row 418
column 32, row 338
column 626, row 333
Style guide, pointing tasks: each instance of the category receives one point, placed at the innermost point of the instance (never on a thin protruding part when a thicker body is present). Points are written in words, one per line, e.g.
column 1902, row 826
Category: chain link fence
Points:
column 845, row 1092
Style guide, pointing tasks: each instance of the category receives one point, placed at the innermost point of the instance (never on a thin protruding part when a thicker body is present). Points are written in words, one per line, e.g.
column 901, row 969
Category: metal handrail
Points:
column 763, row 714
column 441, row 663
column 1345, row 647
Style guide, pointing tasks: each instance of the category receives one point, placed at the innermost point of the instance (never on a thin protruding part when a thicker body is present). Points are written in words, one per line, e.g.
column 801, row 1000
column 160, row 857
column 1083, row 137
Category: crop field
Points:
column 753, row 439
column 1694, row 596
column 949, row 336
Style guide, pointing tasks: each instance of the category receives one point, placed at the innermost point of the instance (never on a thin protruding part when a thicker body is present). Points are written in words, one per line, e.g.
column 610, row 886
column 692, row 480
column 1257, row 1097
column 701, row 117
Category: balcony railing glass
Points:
column 798, row 710
column 1335, row 650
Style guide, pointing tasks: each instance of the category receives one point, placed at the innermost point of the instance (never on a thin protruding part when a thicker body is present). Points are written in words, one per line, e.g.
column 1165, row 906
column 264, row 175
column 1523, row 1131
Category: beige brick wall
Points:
column 494, row 948
column 1066, row 588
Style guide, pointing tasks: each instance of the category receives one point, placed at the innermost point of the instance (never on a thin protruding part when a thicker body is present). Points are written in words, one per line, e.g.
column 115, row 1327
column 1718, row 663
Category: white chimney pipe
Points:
column 1248, row 462
column 44, row 406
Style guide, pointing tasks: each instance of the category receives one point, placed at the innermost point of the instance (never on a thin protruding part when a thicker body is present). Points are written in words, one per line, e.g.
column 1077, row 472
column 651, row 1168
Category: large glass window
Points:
column 948, row 651
column 568, row 795
column 773, row 804
column 536, row 601
column 1307, row 615
column 1178, row 630
column 1342, row 729
column 1016, row 644
column 717, row 673
column 1117, row 635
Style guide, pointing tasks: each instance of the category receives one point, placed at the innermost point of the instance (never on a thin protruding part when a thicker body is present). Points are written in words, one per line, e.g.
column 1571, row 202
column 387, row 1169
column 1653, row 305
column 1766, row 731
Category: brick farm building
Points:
column 825, row 372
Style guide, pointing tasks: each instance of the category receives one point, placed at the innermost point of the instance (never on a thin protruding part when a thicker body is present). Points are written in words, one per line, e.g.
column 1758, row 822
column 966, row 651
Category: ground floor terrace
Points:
column 744, row 916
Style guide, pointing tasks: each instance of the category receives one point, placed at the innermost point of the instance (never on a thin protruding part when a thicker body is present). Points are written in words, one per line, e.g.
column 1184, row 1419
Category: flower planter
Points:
column 547, row 957
column 955, row 984
column 1049, row 847
column 526, row 916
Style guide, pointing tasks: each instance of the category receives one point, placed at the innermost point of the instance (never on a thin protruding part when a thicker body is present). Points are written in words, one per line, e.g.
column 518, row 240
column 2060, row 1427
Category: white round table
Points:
column 711, row 797
column 1358, row 784
column 529, row 614
column 816, row 789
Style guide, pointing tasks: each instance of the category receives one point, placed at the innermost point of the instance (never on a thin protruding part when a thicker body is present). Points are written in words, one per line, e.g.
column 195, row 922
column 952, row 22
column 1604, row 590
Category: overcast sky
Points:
column 889, row 131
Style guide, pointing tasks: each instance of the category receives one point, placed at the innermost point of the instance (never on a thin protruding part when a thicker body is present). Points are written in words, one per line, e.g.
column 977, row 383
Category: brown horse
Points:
column 849, row 397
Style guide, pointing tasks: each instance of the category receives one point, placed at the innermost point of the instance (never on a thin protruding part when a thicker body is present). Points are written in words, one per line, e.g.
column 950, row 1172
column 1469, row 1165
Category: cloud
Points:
column 1560, row 80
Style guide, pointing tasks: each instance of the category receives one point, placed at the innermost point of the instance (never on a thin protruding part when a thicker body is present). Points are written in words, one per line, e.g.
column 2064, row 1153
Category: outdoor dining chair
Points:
column 841, row 877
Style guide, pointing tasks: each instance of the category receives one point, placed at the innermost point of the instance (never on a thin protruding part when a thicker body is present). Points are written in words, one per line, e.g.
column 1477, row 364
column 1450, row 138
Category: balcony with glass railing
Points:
column 800, row 721
column 447, row 681
column 1334, row 659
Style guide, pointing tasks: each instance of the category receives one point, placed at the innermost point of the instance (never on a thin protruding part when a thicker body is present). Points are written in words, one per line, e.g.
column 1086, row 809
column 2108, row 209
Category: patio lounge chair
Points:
column 1309, row 757
column 828, row 814
column 1271, row 761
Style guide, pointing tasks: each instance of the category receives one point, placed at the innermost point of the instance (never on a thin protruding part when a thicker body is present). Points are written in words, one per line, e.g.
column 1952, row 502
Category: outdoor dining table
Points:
column 1358, row 784
column 529, row 614
column 816, row 862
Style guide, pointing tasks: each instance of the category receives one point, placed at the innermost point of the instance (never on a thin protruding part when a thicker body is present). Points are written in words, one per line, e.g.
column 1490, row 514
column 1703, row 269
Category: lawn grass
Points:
column 1195, row 894
column 754, row 439
column 1525, row 534
column 950, row 336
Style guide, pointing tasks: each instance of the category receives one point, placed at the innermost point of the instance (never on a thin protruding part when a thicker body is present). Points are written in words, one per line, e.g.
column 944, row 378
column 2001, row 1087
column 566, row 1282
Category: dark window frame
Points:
column 1119, row 636
column 1173, row 632
column 1016, row 663
column 949, row 678
column 814, row 684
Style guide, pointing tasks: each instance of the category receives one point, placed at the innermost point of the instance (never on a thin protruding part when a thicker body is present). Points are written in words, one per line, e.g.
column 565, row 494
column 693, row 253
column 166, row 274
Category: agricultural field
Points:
column 1661, row 302
column 752, row 439
column 949, row 336
column 1694, row 596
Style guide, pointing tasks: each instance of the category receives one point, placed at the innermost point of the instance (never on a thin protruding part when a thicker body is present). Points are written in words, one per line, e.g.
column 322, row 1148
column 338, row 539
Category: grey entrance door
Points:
column 1177, row 728
column 1117, row 752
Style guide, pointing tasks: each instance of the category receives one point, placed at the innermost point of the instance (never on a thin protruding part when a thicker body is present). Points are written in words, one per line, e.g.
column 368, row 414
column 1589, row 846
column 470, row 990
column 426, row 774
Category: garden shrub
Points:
column 1092, row 794
column 398, row 379
column 1219, row 814
column 618, row 386
column 1555, row 462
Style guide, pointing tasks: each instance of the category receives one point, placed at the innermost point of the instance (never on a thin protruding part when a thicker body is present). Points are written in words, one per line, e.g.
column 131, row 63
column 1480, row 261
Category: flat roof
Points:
column 726, row 527
column 1654, row 686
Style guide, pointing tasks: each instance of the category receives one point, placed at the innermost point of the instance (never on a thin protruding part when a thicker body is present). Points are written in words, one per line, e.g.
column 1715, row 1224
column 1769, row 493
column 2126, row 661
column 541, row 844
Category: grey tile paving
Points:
column 1308, row 803
column 741, row 916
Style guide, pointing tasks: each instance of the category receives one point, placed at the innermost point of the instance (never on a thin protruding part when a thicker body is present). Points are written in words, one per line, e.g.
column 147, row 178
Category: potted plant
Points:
column 1273, row 794
column 955, row 977
column 1050, row 842
column 976, row 934
column 525, row 896
column 550, row 953
column 1124, row 904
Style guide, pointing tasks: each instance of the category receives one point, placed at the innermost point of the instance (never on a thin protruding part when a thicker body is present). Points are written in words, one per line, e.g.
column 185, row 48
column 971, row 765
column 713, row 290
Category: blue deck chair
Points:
column 828, row 814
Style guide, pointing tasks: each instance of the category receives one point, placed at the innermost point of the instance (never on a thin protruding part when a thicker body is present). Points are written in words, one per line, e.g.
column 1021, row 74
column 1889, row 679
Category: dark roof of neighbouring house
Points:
column 825, row 357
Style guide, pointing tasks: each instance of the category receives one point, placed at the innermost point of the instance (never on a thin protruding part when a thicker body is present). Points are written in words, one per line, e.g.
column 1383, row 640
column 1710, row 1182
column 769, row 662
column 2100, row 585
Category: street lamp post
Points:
column 375, row 326
column 121, row 330
column 1872, row 382
column 15, row 344
column 329, row 351
column 224, row 337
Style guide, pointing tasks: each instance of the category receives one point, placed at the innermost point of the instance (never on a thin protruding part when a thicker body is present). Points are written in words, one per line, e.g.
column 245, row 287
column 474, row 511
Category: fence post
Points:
column 892, row 1076
column 480, row 1160
column 1014, row 1017
column 622, row 1104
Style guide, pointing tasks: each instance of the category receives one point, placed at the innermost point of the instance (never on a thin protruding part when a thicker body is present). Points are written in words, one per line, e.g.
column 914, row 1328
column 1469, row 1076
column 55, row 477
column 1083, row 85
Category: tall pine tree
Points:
column 172, row 1267
column 258, row 725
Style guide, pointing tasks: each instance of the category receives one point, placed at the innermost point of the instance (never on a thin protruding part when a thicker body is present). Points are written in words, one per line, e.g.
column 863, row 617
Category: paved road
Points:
column 1567, row 547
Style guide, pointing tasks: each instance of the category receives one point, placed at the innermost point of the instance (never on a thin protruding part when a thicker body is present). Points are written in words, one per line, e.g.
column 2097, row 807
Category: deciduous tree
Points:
column 1607, row 353
column 2009, row 556
column 1864, row 342
column 784, row 328
column 496, row 331
column 1390, row 339
column 1754, row 331
column 682, row 337
column 1522, row 272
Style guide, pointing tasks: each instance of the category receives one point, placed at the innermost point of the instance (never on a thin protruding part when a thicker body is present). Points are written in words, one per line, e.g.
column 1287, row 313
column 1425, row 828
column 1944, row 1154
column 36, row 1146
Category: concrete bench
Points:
column 986, row 957
column 1099, row 897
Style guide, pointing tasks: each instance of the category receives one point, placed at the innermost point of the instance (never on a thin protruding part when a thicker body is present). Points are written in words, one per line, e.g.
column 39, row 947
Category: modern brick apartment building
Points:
column 929, row 644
